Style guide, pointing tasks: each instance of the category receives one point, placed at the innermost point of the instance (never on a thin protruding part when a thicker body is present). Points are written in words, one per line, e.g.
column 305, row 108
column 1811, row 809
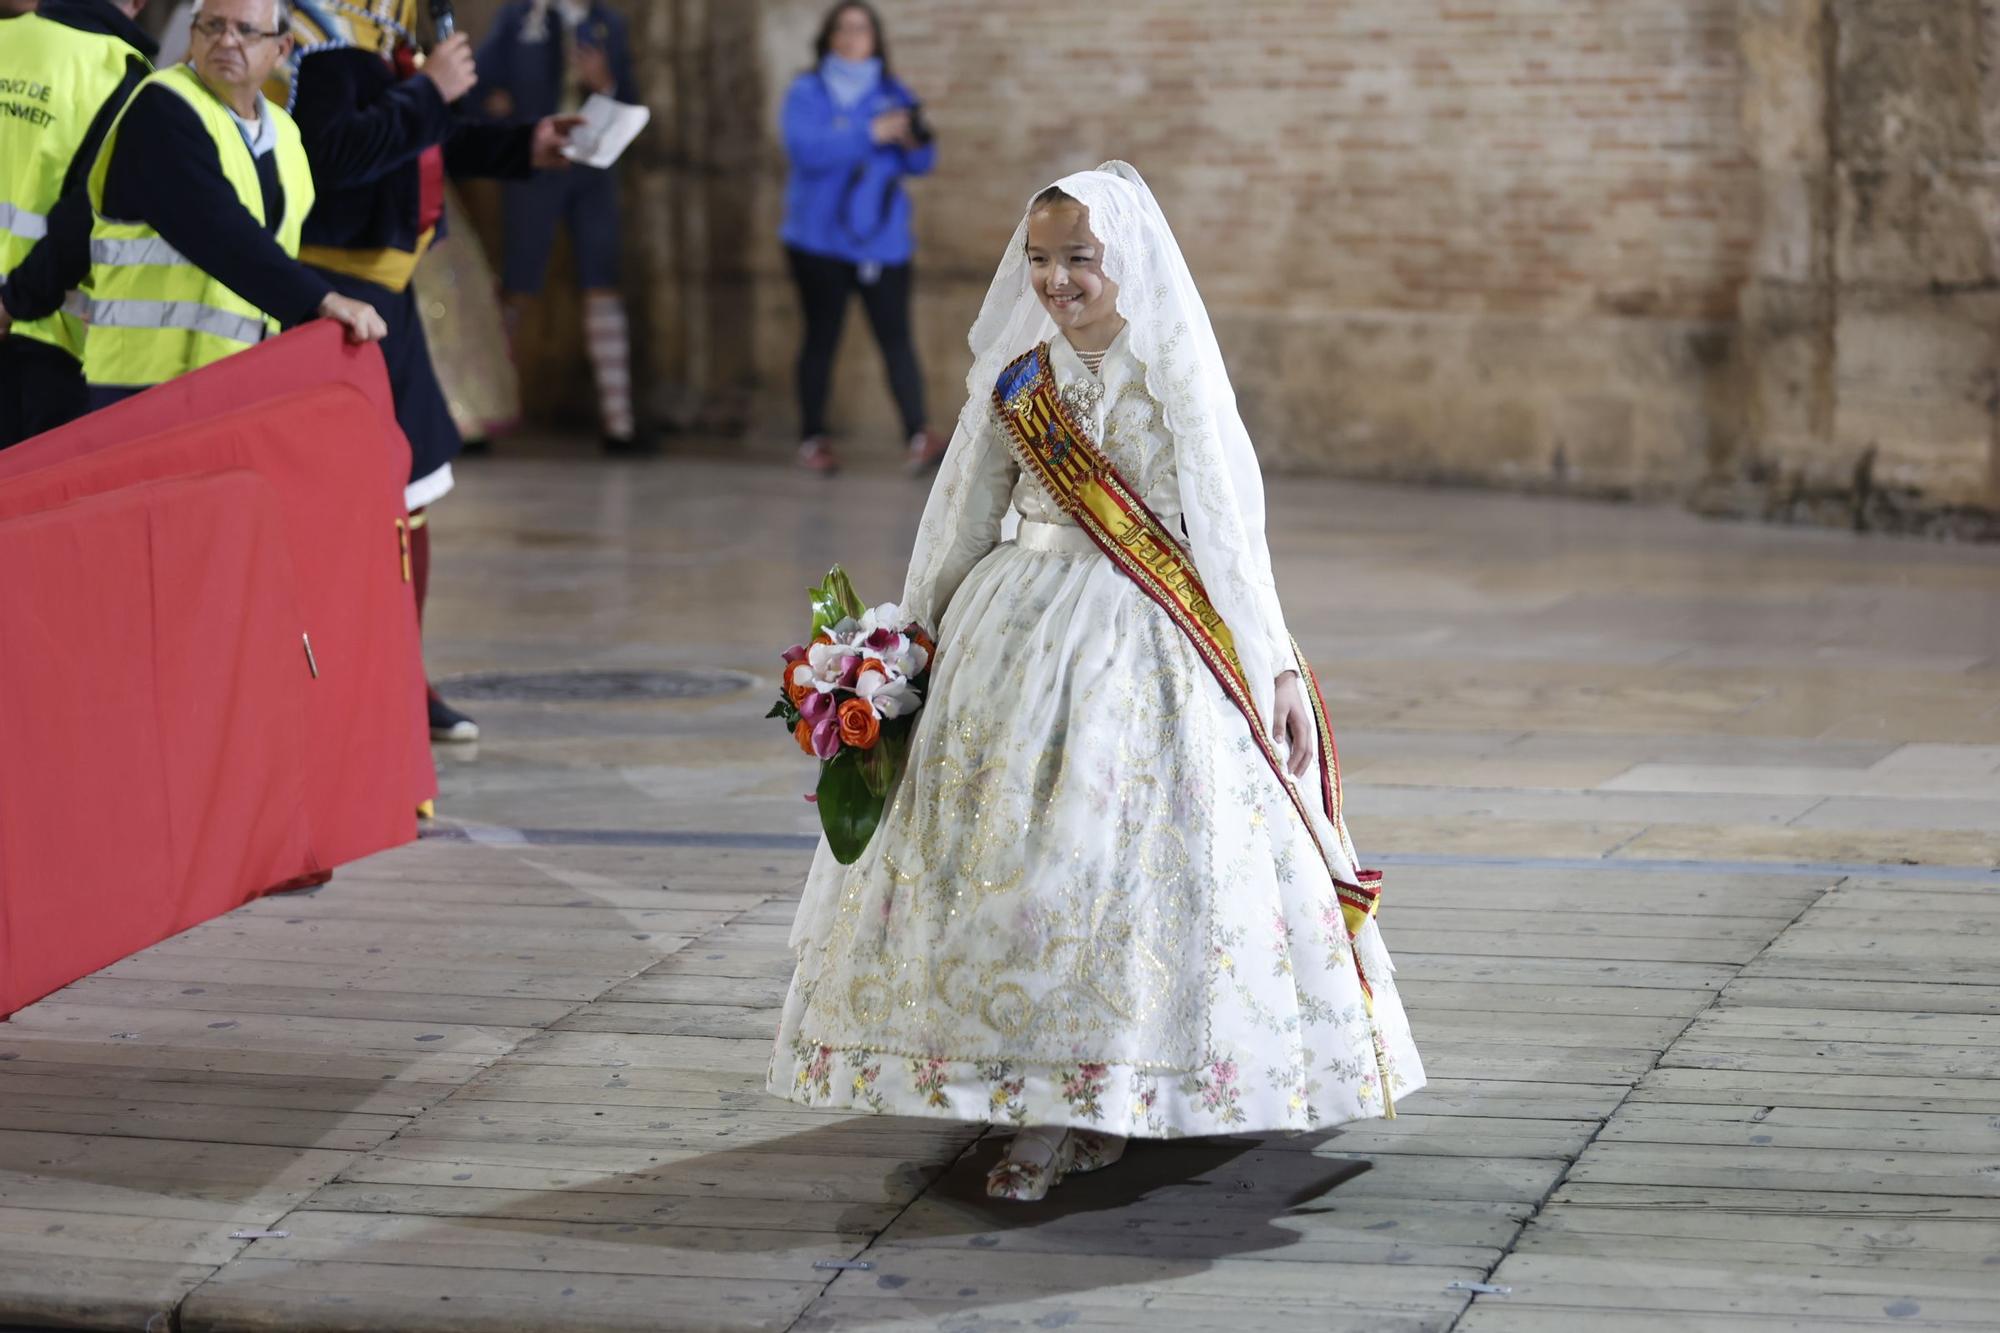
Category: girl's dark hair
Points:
column 1052, row 197
column 824, row 42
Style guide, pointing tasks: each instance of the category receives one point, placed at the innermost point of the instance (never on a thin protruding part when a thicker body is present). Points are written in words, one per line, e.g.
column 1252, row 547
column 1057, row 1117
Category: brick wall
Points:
column 1528, row 243
column 1496, row 241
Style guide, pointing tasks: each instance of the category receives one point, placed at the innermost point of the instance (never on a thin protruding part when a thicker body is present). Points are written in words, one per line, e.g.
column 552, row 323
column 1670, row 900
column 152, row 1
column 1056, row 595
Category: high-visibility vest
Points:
column 153, row 314
column 53, row 81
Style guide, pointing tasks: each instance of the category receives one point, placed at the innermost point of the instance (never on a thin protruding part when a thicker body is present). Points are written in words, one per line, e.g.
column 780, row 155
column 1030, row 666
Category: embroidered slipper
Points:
column 1026, row 1179
column 1095, row 1151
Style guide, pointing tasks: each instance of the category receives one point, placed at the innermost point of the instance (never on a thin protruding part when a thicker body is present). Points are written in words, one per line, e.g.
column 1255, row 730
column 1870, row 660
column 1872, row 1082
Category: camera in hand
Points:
column 920, row 125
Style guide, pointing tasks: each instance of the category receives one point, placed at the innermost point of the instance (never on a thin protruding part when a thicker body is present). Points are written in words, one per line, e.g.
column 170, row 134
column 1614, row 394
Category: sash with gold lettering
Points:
column 1089, row 489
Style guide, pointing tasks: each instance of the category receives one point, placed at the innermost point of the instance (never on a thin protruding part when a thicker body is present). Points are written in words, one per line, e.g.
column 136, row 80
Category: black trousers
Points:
column 824, row 288
column 41, row 387
column 413, row 383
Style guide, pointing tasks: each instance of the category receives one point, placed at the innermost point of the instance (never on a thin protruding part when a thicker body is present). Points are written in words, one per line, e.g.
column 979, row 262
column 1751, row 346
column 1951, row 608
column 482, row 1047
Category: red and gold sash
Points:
column 1088, row 488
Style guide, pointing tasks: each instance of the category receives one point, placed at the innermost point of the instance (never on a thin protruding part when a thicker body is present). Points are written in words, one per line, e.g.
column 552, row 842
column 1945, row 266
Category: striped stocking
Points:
column 609, row 346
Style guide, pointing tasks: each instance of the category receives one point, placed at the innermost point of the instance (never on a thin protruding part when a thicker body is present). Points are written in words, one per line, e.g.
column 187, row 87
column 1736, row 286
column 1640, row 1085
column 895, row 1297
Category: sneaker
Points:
column 926, row 451
column 816, row 455
column 448, row 724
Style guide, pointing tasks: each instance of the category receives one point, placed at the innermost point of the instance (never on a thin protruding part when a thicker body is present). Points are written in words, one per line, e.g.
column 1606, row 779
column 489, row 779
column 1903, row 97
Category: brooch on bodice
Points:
column 1081, row 396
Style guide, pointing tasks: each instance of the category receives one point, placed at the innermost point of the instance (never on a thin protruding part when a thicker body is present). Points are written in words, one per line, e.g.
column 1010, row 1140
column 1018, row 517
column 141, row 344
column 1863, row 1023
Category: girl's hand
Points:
column 1292, row 724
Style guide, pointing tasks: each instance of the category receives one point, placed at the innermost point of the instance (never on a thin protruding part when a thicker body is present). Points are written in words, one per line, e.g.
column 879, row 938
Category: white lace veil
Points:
column 1222, row 491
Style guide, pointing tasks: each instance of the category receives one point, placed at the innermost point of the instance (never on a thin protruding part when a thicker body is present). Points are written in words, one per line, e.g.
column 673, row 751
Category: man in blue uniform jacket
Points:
column 545, row 57
column 382, row 133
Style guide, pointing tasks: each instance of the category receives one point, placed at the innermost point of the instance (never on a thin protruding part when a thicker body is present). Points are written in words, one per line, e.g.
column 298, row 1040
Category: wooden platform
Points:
column 511, row 1078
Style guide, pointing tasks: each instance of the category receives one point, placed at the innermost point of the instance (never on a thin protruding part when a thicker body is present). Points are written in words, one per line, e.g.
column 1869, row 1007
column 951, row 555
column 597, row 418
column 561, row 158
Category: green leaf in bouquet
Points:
column 851, row 605
column 848, row 810
column 880, row 765
column 834, row 601
column 785, row 709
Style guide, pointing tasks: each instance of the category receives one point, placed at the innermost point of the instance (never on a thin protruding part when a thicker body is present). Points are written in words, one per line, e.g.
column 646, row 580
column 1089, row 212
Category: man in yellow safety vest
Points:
column 200, row 192
column 65, row 73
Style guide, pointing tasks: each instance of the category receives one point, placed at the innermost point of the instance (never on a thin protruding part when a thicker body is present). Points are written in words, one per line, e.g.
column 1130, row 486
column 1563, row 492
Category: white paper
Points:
column 608, row 129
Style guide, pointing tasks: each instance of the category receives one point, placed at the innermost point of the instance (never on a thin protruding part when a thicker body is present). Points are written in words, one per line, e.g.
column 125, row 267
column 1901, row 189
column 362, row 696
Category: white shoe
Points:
column 1036, row 1162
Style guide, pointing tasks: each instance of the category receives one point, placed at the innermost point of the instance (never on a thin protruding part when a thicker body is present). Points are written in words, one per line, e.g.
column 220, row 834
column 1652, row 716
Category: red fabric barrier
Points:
column 166, row 752
column 307, row 358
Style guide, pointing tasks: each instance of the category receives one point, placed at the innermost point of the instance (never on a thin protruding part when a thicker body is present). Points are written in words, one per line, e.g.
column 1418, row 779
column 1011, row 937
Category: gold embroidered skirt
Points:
column 1089, row 902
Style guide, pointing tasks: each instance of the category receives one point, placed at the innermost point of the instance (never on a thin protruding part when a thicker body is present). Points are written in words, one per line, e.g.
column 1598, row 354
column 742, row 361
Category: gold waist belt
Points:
column 386, row 267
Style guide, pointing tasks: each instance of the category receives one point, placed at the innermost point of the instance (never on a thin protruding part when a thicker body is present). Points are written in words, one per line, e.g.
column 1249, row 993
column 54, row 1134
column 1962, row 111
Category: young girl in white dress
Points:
column 1102, row 901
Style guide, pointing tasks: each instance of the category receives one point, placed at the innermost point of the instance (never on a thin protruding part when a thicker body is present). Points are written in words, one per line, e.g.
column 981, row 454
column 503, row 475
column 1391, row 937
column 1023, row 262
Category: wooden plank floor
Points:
column 512, row 1078
column 1820, row 1153
column 1700, row 1123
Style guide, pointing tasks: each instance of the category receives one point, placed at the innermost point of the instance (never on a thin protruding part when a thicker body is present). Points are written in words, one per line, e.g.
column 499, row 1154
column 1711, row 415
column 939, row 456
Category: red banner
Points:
column 210, row 676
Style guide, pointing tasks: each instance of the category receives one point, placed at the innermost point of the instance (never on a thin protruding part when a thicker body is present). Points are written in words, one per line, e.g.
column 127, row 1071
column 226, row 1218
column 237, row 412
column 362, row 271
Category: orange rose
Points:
column 873, row 664
column 859, row 727
column 803, row 733
column 795, row 691
column 923, row 641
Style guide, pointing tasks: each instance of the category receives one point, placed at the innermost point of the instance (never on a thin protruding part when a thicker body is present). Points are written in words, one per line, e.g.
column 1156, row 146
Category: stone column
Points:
column 693, row 200
column 1869, row 320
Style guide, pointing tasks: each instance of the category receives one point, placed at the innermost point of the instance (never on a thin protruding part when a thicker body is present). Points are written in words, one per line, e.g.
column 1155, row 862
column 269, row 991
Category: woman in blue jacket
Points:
column 853, row 132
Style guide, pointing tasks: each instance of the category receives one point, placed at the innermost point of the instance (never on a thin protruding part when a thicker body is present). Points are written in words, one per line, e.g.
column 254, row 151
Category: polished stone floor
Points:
column 1693, row 834
column 1511, row 675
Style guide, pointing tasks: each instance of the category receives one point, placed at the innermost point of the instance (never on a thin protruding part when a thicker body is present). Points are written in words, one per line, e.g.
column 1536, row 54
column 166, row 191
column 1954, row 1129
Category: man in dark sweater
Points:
column 382, row 134
column 41, row 366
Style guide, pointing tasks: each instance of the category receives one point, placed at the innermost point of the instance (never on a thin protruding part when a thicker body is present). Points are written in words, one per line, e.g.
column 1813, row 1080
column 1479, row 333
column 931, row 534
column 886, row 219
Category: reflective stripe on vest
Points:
column 154, row 314
column 18, row 220
column 138, row 250
column 56, row 81
column 189, row 315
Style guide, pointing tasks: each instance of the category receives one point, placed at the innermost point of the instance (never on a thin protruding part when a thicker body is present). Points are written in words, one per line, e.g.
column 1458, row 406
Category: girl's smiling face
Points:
column 1066, row 266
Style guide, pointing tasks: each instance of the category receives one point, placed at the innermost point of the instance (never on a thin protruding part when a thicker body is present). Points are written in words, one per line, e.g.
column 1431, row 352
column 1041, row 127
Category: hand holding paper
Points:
column 608, row 128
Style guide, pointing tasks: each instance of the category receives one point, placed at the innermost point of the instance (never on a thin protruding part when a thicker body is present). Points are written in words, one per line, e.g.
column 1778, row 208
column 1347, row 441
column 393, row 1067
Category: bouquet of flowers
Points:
column 851, row 698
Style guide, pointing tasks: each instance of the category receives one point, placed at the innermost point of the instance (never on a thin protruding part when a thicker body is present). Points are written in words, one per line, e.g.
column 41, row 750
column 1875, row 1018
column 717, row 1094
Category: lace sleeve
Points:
column 962, row 520
column 1278, row 636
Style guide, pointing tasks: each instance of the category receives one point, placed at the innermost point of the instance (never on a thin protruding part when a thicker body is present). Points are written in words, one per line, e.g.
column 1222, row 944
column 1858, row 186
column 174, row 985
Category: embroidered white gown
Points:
column 1089, row 902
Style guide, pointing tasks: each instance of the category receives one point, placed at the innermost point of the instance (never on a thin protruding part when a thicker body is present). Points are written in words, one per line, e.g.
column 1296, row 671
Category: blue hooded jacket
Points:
column 845, row 198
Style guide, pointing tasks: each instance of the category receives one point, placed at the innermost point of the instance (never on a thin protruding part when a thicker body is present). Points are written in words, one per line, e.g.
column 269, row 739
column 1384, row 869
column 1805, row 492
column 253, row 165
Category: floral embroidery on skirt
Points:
column 1089, row 903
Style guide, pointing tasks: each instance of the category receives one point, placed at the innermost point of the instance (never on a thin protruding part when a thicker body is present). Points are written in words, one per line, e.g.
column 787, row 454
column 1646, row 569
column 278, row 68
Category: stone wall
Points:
column 1734, row 246
column 1870, row 318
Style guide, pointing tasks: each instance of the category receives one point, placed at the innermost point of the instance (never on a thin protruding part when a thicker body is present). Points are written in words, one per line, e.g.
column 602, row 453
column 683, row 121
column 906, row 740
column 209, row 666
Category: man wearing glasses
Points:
column 200, row 192
column 65, row 73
